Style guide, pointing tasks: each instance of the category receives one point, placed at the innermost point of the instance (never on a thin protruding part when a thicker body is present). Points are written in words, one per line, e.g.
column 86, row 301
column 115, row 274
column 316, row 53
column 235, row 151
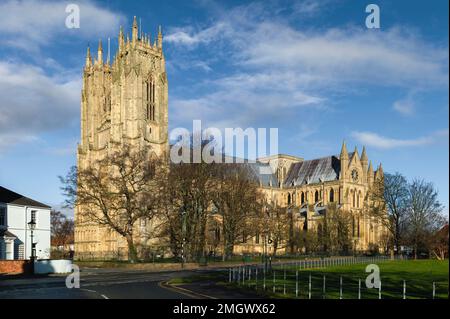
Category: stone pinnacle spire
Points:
column 88, row 57
column 121, row 39
column 364, row 155
column 344, row 152
column 100, row 52
column 134, row 34
column 160, row 37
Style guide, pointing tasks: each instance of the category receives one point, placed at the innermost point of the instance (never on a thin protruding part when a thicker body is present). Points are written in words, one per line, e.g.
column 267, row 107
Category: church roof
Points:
column 262, row 172
column 313, row 171
column 9, row 197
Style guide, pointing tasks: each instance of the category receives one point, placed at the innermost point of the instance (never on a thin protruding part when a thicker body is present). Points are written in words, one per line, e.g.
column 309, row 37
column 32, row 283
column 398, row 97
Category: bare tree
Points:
column 309, row 241
column 388, row 203
column 238, row 202
column 439, row 243
column 69, row 187
column 334, row 230
column 276, row 222
column 423, row 214
column 117, row 191
column 189, row 198
column 62, row 229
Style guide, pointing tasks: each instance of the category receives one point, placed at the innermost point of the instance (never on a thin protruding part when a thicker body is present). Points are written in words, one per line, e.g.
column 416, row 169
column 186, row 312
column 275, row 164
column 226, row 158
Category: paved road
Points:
column 95, row 283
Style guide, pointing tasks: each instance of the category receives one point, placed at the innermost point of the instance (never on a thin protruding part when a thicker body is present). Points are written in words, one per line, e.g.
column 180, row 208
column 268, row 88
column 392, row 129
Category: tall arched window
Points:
column 150, row 98
column 358, row 199
column 316, row 196
column 353, row 226
column 359, row 233
column 302, row 198
column 354, row 198
column 289, row 199
column 331, row 195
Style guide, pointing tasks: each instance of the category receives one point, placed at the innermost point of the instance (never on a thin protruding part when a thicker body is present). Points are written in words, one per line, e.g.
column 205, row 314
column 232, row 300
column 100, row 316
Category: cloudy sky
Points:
column 310, row 68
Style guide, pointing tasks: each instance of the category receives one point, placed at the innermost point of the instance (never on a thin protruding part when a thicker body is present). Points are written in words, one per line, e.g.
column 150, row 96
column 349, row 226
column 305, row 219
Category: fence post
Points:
column 284, row 282
column 340, row 288
column 309, row 293
column 379, row 291
column 229, row 275
column 274, row 282
column 239, row 275
column 323, row 290
column 256, row 277
column 434, row 289
column 264, row 278
column 244, row 268
column 296, row 283
column 359, row 288
column 404, row 289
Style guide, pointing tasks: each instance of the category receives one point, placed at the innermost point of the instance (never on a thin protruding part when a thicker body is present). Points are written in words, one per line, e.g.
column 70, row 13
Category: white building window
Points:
column 3, row 216
column 9, row 250
column 33, row 216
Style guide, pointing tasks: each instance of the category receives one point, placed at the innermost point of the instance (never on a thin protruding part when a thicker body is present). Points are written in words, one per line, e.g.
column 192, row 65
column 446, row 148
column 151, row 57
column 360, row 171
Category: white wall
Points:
column 61, row 266
column 17, row 220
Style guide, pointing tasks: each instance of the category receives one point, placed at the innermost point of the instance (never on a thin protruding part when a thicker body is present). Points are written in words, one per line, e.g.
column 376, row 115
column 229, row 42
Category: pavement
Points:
column 102, row 283
column 95, row 284
column 110, row 283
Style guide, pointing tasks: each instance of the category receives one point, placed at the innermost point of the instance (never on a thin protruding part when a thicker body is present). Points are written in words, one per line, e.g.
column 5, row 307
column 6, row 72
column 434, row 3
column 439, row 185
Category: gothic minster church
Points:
column 125, row 101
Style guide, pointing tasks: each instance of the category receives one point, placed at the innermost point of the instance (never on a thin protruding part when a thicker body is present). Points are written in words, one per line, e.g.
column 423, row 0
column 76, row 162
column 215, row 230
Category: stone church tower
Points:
column 123, row 101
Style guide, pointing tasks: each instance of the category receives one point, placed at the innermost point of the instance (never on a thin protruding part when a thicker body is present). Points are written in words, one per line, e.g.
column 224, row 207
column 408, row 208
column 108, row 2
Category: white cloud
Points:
column 243, row 100
column 309, row 8
column 34, row 102
column 9, row 139
column 188, row 37
column 405, row 107
column 382, row 142
column 272, row 66
column 32, row 24
column 391, row 57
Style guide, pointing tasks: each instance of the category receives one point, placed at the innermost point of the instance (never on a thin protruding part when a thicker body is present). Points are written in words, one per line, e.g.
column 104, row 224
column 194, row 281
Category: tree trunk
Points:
column 202, row 240
column 132, row 252
column 229, row 246
column 415, row 251
column 397, row 239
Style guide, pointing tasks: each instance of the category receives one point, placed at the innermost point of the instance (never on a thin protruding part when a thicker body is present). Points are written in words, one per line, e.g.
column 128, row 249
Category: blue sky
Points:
column 310, row 68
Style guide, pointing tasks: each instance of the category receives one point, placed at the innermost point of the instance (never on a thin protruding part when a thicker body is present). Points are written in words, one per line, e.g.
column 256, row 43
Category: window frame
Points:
column 4, row 216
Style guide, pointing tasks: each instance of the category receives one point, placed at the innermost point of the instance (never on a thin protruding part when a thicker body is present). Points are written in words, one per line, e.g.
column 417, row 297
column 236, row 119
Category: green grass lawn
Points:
column 418, row 274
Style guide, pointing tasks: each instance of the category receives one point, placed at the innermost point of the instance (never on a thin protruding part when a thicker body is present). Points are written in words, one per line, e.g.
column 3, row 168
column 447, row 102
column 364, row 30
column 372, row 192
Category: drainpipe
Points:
column 25, row 252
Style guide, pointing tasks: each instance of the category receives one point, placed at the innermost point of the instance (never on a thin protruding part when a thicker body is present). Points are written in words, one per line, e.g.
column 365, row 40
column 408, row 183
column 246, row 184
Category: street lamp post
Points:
column 32, row 226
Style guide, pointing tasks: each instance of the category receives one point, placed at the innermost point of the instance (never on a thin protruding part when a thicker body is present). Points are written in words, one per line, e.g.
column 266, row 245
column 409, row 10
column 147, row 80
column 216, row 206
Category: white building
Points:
column 16, row 211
